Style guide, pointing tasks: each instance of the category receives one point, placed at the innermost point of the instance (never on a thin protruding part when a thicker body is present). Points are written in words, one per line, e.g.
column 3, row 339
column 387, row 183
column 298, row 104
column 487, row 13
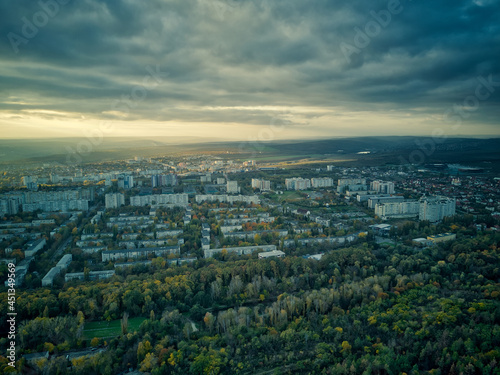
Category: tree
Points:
column 124, row 323
column 209, row 320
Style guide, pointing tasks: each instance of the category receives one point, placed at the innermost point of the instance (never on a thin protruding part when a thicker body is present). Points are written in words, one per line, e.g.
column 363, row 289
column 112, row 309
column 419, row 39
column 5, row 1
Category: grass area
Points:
column 287, row 196
column 103, row 329
column 388, row 244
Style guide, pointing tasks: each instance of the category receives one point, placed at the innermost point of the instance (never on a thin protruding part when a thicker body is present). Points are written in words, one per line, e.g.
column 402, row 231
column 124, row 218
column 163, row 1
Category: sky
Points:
column 249, row 70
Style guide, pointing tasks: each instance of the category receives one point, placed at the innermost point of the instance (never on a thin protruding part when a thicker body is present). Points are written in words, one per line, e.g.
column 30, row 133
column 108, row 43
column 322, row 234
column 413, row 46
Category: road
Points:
column 61, row 248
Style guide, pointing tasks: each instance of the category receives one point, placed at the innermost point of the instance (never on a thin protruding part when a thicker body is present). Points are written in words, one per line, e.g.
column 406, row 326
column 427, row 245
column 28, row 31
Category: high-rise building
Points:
column 434, row 209
column 27, row 180
column 382, row 187
column 163, row 180
column 378, row 199
column 408, row 208
column 9, row 206
column 54, row 178
column 262, row 185
column 297, row 183
column 321, row 182
column 114, row 200
column 352, row 184
column 128, row 182
column 207, row 178
column 232, row 187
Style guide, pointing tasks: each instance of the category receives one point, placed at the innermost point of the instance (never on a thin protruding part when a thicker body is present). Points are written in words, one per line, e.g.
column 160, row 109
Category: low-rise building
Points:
column 272, row 254
column 48, row 279
column 321, row 182
column 205, row 243
column 92, row 275
column 34, row 247
column 139, row 253
column 65, row 261
column 243, row 250
column 443, row 237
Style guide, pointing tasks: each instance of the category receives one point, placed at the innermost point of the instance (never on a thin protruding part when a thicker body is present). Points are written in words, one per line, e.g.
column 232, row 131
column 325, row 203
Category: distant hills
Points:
column 390, row 149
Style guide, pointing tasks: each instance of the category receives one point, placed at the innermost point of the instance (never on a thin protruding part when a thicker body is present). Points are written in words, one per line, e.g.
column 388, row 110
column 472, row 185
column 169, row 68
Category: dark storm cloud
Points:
column 226, row 53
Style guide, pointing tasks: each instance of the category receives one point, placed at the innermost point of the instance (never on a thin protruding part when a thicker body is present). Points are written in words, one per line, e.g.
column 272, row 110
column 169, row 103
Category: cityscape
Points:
column 250, row 187
column 107, row 223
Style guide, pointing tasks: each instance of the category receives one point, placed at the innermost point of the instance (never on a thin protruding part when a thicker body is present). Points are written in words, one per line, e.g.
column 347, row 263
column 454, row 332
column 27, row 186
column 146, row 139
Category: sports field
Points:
column 104, row 329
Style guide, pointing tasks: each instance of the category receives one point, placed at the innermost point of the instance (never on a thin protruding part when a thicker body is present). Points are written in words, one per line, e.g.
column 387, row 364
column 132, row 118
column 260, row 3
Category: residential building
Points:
column 163, row 180
column 180, row 200
column 115, row 200
column 239, row 250
column 434, row 209
column 224, row 198
column 139, row 253
column 382, row 187
column 92, row 275
column 408, row 208
column 377, row 199
column 64, row 261
column 321, row 182
column 262, row 185
column 297, row 183
column 272, row 254
column 351, row 184
column 48, row 279
column 207, row 178
column 232, row 187
column 34, row 247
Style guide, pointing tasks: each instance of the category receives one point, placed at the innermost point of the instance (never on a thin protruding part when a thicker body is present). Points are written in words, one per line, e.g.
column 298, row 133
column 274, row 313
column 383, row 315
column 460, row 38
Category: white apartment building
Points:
column 374, row 200
column 114, row 200
column 262, row 185
column 409, row 208
column 232, row 187
column 297, row 183
column 351, row 184
column 435, row 209
column 224, row 198
column 181, row 200
column 382, row 187
column 321, row 182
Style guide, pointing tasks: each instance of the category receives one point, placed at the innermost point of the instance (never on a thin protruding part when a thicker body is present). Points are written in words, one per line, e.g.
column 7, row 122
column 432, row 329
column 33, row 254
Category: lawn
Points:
column 287, row 195
column 104, row 329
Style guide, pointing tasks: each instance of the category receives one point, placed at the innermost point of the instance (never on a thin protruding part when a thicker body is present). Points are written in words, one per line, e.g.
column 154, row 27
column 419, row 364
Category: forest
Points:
column 359, row 310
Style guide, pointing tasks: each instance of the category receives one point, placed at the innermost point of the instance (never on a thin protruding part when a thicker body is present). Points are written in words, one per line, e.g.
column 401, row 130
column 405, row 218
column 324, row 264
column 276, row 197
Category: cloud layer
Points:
column 227, row 68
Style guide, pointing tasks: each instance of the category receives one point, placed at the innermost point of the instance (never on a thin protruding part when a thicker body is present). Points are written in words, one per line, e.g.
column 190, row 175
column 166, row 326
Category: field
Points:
column 103, row 329
column 288, row 196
